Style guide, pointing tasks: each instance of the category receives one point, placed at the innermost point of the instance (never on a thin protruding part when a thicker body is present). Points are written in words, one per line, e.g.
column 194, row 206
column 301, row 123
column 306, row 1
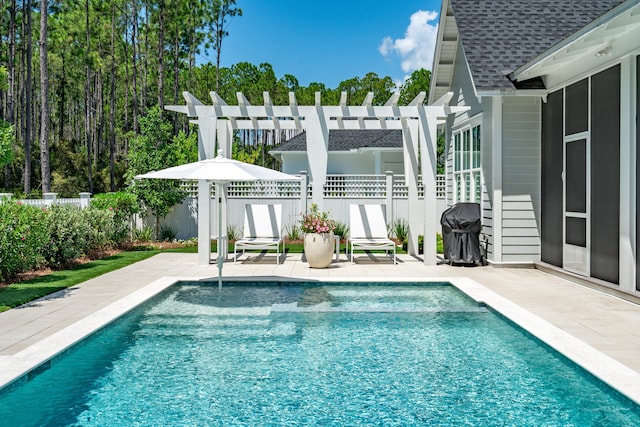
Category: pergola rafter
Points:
column 216, row 123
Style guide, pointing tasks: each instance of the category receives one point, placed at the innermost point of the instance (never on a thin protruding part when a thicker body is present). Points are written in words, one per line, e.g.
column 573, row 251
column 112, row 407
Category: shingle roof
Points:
column 498, row 36
column 345, row 140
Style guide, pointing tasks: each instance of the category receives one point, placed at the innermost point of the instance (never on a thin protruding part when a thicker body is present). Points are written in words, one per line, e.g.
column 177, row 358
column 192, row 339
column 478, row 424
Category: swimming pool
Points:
column 323, row 354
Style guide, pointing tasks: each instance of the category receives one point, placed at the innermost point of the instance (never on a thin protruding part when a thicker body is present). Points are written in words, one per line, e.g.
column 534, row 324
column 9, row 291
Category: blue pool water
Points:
column 295, row 354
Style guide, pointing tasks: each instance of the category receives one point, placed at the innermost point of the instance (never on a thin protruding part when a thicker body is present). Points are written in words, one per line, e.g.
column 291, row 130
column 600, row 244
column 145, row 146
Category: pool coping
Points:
column 615, row 374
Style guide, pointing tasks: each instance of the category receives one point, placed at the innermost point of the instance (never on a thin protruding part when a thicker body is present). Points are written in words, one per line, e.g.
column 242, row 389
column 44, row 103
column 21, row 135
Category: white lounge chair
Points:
column 368, row 230
column 262, row 230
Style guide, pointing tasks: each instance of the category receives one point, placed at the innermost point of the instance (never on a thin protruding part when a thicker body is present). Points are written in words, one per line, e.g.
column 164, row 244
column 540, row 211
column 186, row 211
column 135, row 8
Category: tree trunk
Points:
column 145, row 61
column 11, row 68
column 87, row 102
column 134, row 32
column 28, row 113
column 176, row 75
column 44, row 100
column 112, row 106
column 126, row 87
column 161, row 7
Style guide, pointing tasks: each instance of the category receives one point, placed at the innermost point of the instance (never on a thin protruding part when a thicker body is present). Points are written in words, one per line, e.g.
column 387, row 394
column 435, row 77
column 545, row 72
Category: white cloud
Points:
column 417, row 47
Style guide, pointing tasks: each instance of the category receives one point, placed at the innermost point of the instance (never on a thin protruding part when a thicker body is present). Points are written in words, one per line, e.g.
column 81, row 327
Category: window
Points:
column 467, row 175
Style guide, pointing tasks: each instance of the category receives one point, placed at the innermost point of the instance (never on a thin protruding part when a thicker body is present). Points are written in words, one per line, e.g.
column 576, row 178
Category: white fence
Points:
column 52, row 199
column 339, row 192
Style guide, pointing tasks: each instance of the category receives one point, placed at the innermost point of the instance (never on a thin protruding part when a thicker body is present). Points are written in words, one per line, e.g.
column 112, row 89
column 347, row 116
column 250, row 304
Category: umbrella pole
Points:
column 220, row 234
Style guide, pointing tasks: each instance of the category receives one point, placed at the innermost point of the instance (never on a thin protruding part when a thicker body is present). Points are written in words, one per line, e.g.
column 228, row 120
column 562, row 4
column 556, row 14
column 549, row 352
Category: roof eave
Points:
column 573, row 38
column 434, row 87
column 512, row 92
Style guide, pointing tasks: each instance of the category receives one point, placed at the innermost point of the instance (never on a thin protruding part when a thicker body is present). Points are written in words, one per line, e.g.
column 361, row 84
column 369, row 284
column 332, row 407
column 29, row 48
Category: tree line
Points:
column 77, row 77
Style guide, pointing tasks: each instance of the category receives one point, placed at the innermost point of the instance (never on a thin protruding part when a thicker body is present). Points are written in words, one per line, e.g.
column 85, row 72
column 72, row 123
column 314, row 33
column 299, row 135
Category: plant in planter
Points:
column 318, row 239
column 400, row 228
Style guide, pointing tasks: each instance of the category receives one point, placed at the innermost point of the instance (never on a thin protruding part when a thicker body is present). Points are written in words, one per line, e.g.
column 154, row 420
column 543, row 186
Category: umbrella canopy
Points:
column 220, row 170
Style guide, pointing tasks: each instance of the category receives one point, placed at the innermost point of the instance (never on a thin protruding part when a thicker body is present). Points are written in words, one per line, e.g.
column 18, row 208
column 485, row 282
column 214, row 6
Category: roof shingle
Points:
column 499, row 36
column 345, row 140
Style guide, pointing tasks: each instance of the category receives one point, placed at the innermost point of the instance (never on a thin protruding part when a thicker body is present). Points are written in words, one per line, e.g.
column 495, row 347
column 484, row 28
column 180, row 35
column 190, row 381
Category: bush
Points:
column 23, row 238
column 400, row 229
column 232, row 233
column 69, row 235
column 144, row 234
column 167, row 233
column 292, row 231
column 108, row 230
column 341, row 230
column 123, row 204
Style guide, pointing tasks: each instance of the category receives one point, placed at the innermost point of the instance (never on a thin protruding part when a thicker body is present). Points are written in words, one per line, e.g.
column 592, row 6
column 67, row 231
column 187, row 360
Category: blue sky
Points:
column 331, row 41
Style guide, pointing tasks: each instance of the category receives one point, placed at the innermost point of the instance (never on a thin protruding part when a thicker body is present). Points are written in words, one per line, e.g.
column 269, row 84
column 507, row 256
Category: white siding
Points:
column 464, row 94
column 347, row 163
column 521, row 179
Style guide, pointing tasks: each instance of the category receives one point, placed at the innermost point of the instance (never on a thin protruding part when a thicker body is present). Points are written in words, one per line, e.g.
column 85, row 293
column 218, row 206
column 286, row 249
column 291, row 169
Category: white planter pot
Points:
column 318, row 248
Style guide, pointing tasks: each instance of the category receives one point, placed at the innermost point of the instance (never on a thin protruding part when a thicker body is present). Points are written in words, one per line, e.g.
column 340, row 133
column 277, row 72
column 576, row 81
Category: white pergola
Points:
column 418, row 123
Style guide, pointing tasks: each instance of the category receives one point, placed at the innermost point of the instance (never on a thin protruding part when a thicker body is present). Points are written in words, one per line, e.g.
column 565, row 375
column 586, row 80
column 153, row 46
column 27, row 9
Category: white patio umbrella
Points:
column 220, row 170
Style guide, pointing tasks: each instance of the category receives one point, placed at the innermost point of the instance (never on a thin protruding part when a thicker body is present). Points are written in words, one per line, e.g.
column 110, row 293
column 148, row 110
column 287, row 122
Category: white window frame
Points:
column 467, row 164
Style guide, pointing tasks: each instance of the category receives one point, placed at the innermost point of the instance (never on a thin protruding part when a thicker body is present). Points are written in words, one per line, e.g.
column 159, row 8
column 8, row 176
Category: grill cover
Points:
column 461, row 233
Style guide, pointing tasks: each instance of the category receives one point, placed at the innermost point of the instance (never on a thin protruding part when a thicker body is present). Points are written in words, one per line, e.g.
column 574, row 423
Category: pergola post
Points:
column 317, row 151
column 204, row 222
column 428, row 140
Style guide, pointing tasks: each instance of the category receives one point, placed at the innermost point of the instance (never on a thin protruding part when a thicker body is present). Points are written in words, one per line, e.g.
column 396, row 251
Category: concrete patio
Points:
column 586, row 319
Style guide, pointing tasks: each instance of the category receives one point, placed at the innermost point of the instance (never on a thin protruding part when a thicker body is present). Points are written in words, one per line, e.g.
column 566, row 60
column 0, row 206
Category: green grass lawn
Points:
column 29, row 290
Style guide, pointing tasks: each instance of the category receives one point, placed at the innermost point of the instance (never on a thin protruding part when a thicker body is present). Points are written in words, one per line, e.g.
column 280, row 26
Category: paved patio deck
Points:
column 606, row 323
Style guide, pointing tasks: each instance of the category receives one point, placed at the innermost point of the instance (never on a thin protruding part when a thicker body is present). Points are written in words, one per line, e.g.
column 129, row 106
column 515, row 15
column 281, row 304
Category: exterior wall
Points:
column 487, row 177
column 352, row 163
column 611, row 105
column 293, row 163
column 514, row 128
column 521, row 124
column 464, row 95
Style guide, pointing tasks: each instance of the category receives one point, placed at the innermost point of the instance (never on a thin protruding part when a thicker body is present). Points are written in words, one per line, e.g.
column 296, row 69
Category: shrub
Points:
column 123, row 204
column 23, row 237
column 292, row 231
column 232, row 233
column 400, row 229
column 144, row 234
column 69, row 235
column 167, row 233
column 107, row 230
column 341, row 230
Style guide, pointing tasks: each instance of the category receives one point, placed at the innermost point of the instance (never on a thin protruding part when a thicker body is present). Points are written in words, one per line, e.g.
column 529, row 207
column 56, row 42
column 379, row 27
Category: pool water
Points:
column 322, row 354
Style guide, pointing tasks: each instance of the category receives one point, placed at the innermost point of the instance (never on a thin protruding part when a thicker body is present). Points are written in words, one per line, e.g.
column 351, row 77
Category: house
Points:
column 549, row 144
column 350, row 152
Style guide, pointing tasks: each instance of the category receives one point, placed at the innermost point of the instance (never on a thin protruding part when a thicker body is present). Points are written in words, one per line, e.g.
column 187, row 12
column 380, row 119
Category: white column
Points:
column 85, row 199
column 428, row 140
column 204, row 222
column 410, row 154
column 628, row 196
column 496, row 160
column 225, row 137
column 317, row 151
column 49, row 198
column 207, row 126
column 389, row 194
column 304, row 182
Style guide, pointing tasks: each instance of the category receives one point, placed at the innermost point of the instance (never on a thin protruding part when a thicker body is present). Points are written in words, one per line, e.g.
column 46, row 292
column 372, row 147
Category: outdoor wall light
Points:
column 604, row 52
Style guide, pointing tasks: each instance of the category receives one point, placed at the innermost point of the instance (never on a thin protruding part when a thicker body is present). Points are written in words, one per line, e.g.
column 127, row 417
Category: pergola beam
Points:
column 417, row 122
